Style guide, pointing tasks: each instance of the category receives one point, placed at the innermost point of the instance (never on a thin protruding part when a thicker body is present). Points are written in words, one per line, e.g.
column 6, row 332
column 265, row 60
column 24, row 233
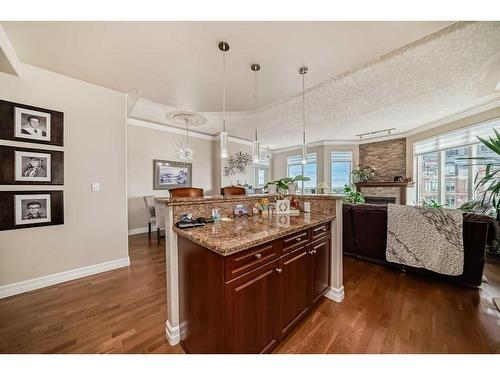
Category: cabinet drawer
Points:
column 247, row 260
column 320, row 231
column 294, row 241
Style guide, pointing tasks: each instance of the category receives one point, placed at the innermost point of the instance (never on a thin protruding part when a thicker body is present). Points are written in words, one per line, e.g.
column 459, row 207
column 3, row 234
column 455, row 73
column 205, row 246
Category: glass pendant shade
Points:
column 304, row 154
column 223, row 145
column 256, row 150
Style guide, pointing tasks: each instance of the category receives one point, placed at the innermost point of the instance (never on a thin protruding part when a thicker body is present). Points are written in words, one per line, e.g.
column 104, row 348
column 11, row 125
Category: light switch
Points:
column 95, row 187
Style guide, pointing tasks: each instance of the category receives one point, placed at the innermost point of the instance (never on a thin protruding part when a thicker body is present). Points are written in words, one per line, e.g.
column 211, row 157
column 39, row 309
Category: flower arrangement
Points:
column 362, row 173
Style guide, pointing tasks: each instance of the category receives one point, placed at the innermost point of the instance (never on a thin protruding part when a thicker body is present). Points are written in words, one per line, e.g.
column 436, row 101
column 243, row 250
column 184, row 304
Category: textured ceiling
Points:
column 178, row 63
column 438, row 76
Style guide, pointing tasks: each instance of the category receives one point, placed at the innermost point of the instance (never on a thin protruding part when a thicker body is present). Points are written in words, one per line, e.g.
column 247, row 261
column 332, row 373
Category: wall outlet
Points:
column 95, row 187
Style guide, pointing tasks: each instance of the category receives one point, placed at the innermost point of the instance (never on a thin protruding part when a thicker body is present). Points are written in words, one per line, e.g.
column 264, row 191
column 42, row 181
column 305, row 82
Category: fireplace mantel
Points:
column 388, row 184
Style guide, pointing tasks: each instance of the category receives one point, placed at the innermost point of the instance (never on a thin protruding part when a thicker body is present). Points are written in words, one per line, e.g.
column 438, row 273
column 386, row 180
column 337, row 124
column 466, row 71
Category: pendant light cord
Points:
column 223, row 91
column 303, row 111
column 255, row 98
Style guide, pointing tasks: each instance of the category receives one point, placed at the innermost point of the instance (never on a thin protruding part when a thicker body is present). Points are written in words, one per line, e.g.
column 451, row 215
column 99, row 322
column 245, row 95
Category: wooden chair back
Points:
column 185, row 192
column 233, row 190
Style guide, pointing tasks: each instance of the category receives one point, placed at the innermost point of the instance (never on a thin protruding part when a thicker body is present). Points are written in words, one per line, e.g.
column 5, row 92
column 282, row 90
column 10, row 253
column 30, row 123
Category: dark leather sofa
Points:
column 365, row 236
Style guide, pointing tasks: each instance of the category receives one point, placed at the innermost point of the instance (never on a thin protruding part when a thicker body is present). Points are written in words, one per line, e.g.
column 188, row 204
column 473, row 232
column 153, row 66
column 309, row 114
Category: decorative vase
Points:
column 271, row 189
column 357, row 178
column 292, row 189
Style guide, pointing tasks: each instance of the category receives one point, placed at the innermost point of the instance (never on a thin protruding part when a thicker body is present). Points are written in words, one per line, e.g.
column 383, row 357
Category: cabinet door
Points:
column 320, row 258
column 294, row 288
column 251, row 311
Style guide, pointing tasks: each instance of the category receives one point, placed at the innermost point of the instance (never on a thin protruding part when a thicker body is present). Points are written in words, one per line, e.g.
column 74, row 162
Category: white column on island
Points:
column 171, row 257
column 336, row 292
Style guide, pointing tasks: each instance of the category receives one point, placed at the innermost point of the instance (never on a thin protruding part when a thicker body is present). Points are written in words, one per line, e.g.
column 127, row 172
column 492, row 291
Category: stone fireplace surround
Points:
column 395, row 190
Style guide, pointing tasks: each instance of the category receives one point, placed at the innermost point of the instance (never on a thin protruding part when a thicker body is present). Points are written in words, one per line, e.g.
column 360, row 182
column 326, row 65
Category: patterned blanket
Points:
column 429, row 238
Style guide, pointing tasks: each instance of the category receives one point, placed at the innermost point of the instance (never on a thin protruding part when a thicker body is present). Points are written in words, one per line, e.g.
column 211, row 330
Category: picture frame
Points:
column 240, row 210
column 14, row 117
column 45, row 208
column 31, row 124
column 171, row 174
column 282, row 207
column 32, row 166
column 14, row 166
column 32, row 208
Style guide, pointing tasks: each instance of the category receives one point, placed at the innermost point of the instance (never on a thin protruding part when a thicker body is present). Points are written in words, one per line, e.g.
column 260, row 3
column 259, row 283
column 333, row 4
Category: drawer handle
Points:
column 258, row 256
column 314, row 251
column 279, row 270
column 298, row 239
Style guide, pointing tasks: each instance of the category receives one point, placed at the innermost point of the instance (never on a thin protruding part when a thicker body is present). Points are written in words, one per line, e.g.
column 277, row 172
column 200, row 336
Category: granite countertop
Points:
column 234, row 198
column 229, row 237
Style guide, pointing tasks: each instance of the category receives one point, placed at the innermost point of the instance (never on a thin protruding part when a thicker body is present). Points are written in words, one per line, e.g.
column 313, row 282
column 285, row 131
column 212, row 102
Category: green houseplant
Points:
column 351, row 195
column 283, row 184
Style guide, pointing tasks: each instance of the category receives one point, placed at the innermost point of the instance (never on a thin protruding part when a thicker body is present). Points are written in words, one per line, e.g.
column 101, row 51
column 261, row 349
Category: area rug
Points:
column 429, row 238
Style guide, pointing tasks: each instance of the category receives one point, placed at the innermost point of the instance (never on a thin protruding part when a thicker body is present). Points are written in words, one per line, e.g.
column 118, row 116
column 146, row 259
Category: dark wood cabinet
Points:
column 320, row 268
column 249, row 301
column 251, row 311
column 294, row 288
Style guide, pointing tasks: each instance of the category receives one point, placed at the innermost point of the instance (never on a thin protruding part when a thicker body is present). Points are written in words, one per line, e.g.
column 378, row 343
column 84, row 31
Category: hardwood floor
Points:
column 385, row 311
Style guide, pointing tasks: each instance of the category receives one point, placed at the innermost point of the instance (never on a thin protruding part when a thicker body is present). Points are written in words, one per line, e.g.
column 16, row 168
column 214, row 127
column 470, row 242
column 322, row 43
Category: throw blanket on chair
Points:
column 429, row 238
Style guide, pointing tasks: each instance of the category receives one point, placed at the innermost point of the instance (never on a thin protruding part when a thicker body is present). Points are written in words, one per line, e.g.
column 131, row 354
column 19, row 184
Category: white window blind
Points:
column 341, row 156
column 458, row 138
column 297, row 159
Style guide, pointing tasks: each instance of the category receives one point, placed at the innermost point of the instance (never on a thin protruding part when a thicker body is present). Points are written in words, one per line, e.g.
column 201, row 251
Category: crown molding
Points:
column 455, row 117
column 166, row 128
column 174, row 130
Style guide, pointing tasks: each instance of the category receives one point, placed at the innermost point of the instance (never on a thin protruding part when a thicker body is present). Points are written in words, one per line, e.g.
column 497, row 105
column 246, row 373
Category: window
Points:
column 261, row 169
column 260, row 176
column 310, row 169
column 443, row 173
column 341, row 170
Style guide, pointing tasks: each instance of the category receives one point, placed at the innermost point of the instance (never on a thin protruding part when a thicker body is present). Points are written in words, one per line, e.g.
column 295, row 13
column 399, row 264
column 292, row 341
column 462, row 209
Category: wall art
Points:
column 237, row 163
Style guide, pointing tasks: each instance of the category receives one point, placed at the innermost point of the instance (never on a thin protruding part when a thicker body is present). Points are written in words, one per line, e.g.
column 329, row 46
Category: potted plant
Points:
column 282, row 185
column 362, row 173
column 351, row 195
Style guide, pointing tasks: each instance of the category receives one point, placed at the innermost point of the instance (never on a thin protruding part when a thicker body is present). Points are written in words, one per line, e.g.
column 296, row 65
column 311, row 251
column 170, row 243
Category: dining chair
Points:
column 233, row 190
column 185, row 192
column 161, row 217
column 149, row 201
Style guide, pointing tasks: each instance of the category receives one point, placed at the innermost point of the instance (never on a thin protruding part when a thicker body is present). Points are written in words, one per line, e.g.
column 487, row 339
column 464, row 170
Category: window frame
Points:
column 298, row 163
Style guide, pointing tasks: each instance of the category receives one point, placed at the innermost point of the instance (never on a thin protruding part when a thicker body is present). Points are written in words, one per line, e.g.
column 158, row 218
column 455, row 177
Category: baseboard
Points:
column 173, row 333
column 131, row 232
column 335, row 294
column 44, row 281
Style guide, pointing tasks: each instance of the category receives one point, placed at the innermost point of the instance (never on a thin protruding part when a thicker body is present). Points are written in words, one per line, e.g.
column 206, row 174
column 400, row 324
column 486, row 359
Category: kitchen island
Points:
column 241, row 285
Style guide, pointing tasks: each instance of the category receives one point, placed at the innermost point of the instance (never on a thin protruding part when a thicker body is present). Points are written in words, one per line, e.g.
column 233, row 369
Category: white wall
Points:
column 95, row 228
column 144, row 145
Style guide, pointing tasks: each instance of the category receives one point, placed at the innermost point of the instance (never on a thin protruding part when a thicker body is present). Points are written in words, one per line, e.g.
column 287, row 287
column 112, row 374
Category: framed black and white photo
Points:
column 25, row 123
column 26, row 209
column 170, row 174
column 32, row 166
column 31, row 124
column 32, row 209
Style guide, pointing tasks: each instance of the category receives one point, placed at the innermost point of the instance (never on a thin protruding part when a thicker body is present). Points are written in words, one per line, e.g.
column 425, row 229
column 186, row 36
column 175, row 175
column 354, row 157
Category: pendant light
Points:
column 256, row 149
column 302, row 71
column 224, row 47
column 186, row 152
